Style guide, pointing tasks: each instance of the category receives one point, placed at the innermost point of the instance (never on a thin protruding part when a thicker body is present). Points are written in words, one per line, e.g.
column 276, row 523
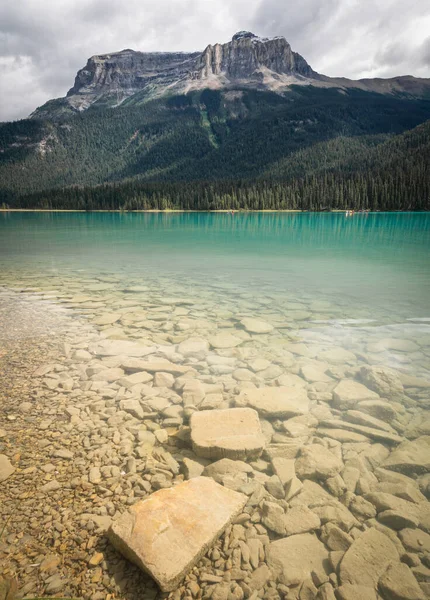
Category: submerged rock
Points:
column 356, row 592
column 410, row 457
column 153, row 366
column 382, row 380
column 292, row 559
column 367, row 559
column 120, row 347
column 317, row 462
column 275, row 402
column 229, row 433
column 398, row 583
column 256, row 326
column 168, row 533
column 225, row 340
column 348, row 393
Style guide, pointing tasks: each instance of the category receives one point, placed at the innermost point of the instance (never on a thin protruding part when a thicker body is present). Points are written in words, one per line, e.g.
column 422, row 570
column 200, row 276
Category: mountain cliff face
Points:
column 247, row 61
column 247, row 55
column 125, row 73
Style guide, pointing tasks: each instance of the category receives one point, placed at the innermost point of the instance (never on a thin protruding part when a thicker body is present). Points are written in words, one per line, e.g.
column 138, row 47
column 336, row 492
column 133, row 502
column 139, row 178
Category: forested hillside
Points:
column 394, row 175
column 308, row 149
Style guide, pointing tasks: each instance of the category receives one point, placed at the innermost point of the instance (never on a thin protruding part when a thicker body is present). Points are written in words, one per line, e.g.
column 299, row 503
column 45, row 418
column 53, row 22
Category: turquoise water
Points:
column 372, row 262
column 316, row 305
column 360, row 283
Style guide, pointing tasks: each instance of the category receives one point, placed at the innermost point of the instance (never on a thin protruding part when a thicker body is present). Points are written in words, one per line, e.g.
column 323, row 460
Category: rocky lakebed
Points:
column 165, row 440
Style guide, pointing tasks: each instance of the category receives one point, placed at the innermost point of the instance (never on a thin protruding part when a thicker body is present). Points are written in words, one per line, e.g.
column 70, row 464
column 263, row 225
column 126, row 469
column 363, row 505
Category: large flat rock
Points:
column 167, row 534
column 370, row 432
column 367, row 559
column 348, row 393
column 155, row 365
column 398, row 581
column 224, row 340
column 292, row 559
column 276, row 402
column 410, row 457
column 121, row 348
column 256, row 326
column 231, row 433
column 317, row 462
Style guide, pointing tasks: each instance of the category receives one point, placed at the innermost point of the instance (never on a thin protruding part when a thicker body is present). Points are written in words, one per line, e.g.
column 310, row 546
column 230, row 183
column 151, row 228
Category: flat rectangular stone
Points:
column 154, row 366
column 132, row 380
column 229, row 433
column 168, row 533
column 121, row 348
column 275, row 402
column 284, row 469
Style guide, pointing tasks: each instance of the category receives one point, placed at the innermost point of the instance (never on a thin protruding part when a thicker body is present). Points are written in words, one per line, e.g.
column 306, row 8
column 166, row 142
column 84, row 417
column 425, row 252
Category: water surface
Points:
column 372, row 271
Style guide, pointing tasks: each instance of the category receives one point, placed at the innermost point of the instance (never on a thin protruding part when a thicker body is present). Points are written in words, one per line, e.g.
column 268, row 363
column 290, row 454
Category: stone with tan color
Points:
column 367, row 559
column 256, row 326
column 292, row 559
column 168, row 533
column 230, row 433
column 108, row 375
column 121, row 347
column 107, row 319
column 380, row 409
column 370, row 432
column 410, row 457
column 196, row 347
column 275, row 402
column 317, row 462
column 356, row 592
column 6, row 468
column 382, row 380
column 398, row 583
column 154, row 366
column 132, row 380
column 356, row 416
column 225, row 340
column 348, row 393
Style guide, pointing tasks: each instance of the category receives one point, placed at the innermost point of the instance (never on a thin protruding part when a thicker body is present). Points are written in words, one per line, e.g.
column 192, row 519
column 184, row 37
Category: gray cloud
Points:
column 424, row 53
column 44, row 42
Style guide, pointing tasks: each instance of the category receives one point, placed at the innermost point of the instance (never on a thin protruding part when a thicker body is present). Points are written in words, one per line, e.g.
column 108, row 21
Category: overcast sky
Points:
column 44, row 42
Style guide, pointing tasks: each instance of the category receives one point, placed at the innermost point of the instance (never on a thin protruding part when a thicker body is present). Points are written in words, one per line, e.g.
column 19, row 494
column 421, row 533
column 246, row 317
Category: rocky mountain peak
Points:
column 249, row 58
column 247, row 61
column 240, row 35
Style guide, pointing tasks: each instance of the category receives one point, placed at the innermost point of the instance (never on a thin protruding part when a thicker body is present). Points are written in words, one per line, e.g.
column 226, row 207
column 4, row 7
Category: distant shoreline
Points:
column 168, row 210
column 239, row 211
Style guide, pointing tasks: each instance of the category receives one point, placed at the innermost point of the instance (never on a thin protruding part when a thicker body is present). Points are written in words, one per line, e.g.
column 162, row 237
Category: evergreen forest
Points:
column 307, row 149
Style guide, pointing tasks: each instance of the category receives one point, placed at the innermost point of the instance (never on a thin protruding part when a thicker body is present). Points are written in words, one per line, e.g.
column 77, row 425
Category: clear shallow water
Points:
column 315, row 277
column 373, row 259
column 331, row 297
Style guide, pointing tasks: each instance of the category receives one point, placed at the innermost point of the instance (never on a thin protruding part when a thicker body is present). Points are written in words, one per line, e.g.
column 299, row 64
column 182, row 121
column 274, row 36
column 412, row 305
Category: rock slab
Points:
column 168, row 533
column 292, row 559
column 230, row 433
column 410, row 457
column 367, row 559
column 276, row 402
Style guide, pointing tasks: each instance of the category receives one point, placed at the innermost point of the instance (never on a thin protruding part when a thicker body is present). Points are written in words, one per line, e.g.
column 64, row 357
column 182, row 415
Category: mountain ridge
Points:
column 247, row 61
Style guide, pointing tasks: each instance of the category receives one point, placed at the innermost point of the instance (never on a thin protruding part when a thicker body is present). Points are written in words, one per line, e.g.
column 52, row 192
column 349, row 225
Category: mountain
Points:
column 247, row 61
column 251, row 110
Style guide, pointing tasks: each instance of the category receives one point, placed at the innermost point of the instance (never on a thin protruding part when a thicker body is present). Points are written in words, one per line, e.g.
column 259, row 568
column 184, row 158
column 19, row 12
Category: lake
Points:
column 116, row 328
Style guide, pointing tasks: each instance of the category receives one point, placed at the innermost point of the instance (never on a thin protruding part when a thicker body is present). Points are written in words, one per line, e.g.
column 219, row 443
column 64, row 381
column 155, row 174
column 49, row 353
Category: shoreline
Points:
column 239, row 211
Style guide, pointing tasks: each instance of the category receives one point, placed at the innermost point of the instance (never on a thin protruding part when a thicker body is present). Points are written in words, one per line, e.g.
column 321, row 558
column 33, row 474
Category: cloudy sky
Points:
column 44, row 42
